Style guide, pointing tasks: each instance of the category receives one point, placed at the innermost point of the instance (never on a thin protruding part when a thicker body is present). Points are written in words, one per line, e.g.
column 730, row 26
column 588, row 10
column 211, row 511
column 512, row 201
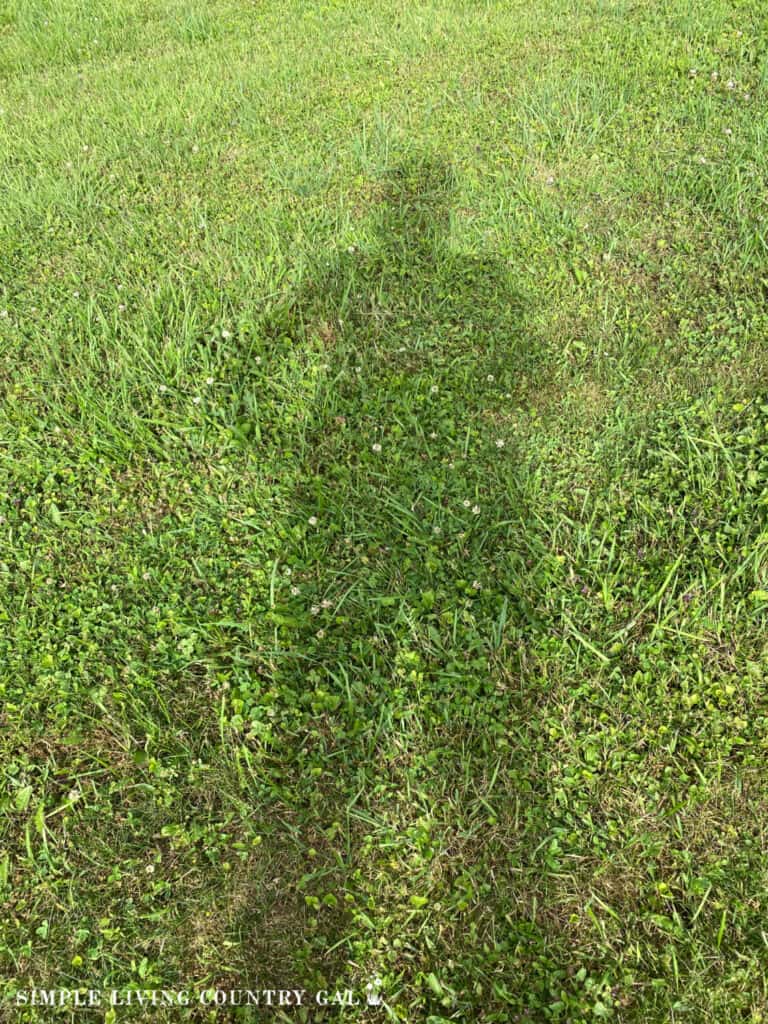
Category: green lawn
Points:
column 384, row 507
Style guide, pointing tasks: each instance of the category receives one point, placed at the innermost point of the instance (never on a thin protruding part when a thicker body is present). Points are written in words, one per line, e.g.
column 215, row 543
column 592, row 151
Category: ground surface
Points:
column 384, row 486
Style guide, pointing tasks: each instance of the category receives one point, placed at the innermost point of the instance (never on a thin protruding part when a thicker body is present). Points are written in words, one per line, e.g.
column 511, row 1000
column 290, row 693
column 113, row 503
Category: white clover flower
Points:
column 4, row 314
column 312, row 520
column 226, row 334
column 358, row 369
column 490, row 378
column 436, row 530
column 209, row 381
column 196, row 400
column 145, row 575
column 325, row 603
column 434, row 389
column 477, row 585
column 315, row 609
column 351, row 250
column 730, row 84
column 466, row 503
column 320, row 634
column 376, row 447
column 714, row 76
column 257, row 360
column 75, row 295
column 433, row 436
column 500, row 442
column 121, row 307
column 295, row 591
column 729, row 131
column 162, row 389
column 475, row 510
column 693, row 72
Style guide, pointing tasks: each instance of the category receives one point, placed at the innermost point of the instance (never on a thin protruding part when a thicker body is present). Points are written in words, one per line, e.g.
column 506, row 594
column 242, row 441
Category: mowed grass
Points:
column 384, row 484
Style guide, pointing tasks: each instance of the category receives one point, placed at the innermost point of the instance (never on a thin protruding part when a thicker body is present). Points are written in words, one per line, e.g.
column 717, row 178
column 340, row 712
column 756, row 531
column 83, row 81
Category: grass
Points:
column 384, row 476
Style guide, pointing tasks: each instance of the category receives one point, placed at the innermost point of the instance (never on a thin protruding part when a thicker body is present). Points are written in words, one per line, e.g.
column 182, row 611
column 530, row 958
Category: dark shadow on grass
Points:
column 397, row 712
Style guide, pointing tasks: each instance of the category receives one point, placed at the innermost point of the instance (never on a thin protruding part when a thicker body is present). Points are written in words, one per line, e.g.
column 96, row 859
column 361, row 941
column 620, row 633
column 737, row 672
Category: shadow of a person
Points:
column 394, row 668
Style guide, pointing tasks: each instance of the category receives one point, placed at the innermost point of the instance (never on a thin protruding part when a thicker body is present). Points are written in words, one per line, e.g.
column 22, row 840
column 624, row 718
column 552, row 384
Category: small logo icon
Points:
column 372, row 995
